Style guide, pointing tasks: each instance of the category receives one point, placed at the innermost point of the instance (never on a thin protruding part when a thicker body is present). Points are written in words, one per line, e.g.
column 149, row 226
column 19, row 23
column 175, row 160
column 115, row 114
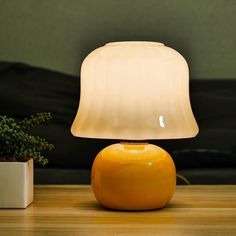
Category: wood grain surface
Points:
column 72, row 210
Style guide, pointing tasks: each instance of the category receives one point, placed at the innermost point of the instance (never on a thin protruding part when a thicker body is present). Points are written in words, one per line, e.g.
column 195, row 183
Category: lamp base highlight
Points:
column 133, row 176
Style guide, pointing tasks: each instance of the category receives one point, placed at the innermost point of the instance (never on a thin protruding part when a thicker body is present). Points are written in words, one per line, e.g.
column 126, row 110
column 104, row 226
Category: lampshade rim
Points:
column 194, row 134
column 134, row 43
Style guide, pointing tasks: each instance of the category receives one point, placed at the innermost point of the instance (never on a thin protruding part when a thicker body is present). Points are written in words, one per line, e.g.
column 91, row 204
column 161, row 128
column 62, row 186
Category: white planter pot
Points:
column 16, row 184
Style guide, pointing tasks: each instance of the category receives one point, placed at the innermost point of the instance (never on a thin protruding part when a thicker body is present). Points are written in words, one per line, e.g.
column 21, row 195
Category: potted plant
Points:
column 18, row 150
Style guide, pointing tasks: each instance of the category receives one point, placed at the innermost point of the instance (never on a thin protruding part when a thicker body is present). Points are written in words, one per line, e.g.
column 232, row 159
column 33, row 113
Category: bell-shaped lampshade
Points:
column 134, row 91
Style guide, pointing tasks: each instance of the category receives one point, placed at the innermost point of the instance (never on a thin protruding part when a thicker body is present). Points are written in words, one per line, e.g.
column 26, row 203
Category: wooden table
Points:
column 72, row 210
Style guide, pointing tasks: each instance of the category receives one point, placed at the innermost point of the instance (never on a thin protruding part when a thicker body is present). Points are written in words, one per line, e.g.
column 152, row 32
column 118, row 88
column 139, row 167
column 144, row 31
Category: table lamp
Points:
column 134, row 91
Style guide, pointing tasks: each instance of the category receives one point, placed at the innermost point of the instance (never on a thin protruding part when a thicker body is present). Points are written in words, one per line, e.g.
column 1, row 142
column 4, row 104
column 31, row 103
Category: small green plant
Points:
column 16, row 144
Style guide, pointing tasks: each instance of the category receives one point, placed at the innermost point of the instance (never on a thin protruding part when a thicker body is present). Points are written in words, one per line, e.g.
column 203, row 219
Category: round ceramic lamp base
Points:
column 133, row 176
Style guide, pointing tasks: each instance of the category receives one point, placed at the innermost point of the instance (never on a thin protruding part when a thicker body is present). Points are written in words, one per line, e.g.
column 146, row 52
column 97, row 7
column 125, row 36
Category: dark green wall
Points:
column 58, row 34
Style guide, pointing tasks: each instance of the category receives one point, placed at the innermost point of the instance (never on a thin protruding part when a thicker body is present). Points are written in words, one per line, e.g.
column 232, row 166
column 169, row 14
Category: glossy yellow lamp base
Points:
column 133, row 176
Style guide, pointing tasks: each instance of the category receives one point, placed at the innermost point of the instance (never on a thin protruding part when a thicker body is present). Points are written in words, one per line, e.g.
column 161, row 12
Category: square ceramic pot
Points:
column 16, row 184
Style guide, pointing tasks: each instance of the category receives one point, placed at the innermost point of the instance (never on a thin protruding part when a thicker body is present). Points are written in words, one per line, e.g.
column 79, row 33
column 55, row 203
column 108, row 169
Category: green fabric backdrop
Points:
column 58, row 34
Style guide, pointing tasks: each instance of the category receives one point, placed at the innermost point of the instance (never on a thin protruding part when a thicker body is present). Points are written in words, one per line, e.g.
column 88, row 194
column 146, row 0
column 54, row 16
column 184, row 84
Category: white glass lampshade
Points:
column 134, row 91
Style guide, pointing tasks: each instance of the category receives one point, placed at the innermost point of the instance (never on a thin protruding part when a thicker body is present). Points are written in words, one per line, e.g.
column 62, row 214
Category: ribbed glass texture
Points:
column 134, row 91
